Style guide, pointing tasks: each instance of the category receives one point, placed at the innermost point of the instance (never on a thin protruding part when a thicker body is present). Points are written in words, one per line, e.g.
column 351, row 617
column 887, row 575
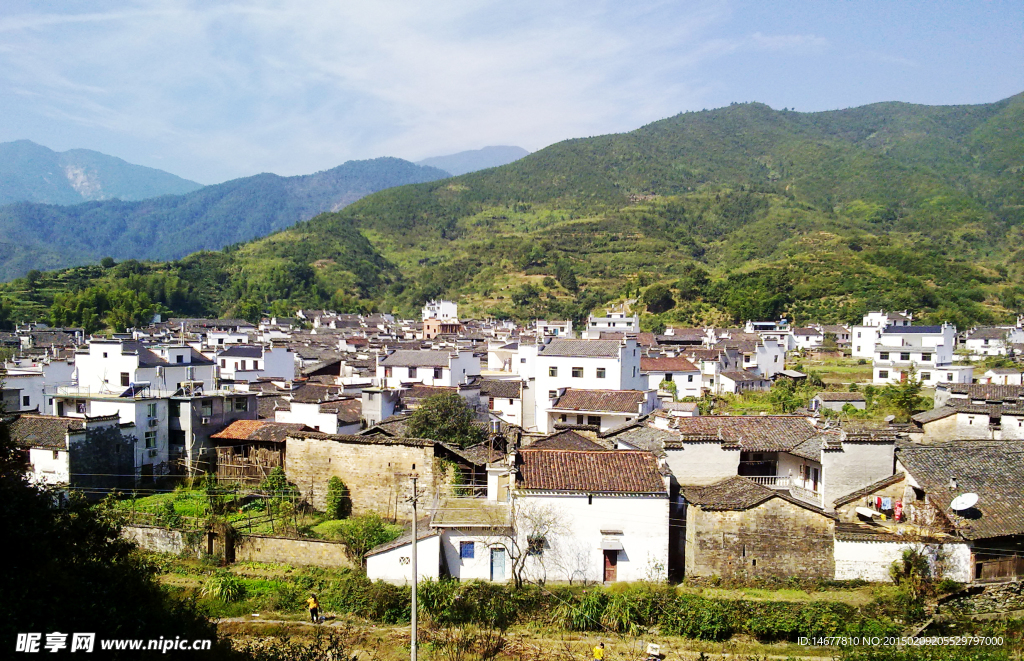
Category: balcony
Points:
column 792, row 485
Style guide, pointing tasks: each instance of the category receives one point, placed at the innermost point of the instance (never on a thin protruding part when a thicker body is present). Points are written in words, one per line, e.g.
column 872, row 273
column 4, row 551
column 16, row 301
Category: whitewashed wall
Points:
column 395, row 565
column 870, row 561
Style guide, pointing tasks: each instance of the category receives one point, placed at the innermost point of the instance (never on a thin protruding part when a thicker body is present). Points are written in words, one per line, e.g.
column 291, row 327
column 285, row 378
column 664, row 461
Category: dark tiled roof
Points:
column 396, row 425
column 807, row 331
column 870, row 489
column 619, row 401
column 43, row 431
column 993, row 470
column 258, row 430
column 418, row 391
column 364, row 438
column 769, row 433
column 841, row 396
column 500, row 388
column 934, row 414
column 987, row 334
column 349, row 411
column 314, row 393
column 737, row 494
column 587, row 348
column 742, row 375
column 641, row 436
column 620, row 471
column 860, row 532
column 404, row 358
column 266, row 406
column 912, row 329
column 566, row 440
column 809, row 449
column 667, row 365
column 987, row 391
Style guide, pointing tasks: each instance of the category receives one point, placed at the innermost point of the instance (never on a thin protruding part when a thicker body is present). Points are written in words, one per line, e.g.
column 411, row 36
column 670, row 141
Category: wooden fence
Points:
column 246, row 464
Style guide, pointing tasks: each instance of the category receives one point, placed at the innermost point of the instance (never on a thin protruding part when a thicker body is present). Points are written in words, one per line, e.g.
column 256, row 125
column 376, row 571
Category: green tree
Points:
column 250, row 310
column 693, row 283
column 446, row 417
column 362, row 533
column 108, row 262
column 658, row 298
column 339, row 502
column 904, row 397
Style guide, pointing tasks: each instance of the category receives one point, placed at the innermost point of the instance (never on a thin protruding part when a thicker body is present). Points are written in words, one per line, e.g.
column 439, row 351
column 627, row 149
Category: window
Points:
column 926, row 376
column 577, row 372
column 490, row 403
column 668, row 376
column 56, row 455
column 634, row 371
column 412, row 372
column 579, row 420
column 179, row 359
column 949, row 376
column 775, row 359
column 126, row 379
column 467, row 550
column 858, row 333
column 689, row 378
column 223, row 362
column 594, row 420
column 26, row 400
column 150, row 439
column 552, row 371
column 241, row 404
column 535, row 545
column 883, row 374
column 510, row 402
column 387, row 372
column 552, row 394
column 438, row 373
column 207, row 408
column 601, row 372
column 904, row 355
column 255, row 364
column 522, row 360
column 151, row 409
column 925, row 357
column 174, row 407
column 104, row 354
column 883, row 355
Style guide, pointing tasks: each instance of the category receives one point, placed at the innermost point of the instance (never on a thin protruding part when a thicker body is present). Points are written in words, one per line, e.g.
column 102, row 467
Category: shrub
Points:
column 339, row 503
column 696, row 617
column 224, row 586
column 360, row 534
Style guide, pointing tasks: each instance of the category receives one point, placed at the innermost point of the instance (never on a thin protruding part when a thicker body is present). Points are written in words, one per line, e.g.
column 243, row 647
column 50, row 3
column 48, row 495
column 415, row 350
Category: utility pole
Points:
column 415, row 497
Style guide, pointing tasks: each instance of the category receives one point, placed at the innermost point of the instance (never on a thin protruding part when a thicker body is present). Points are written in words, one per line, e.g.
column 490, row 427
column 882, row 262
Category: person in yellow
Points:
column 599, row 652
column 314, row 608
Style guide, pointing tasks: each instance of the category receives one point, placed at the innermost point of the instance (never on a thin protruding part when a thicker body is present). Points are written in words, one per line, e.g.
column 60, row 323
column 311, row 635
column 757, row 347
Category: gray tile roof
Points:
column 582, row 348
column 739, row 493
column 992, row 469
column 501, row 388
column 987, row 391
column 619, row 471
column 566, row 440
column 406, row 358
column 43, row 431
column 618, row 401
column 770, row 433
column 870, row 489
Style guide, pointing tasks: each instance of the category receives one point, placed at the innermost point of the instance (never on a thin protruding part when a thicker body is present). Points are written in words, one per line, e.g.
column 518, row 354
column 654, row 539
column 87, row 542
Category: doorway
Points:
column 497, row 564
column 611, row 562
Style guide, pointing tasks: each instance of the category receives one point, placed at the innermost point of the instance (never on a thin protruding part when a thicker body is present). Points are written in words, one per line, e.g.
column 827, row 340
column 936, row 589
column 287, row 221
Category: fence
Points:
column 998, row 569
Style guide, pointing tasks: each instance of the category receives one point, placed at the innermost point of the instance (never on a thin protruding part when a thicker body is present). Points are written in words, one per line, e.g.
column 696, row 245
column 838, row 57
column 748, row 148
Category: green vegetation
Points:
column 339, row 502
column 710, row 217
column 360, row 534
column 446, row 417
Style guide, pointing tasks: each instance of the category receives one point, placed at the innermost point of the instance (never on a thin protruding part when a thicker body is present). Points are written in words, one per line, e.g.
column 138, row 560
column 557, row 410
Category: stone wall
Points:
column 282, row 550
column 776, row 538
column 158, row 540
column 375, row 469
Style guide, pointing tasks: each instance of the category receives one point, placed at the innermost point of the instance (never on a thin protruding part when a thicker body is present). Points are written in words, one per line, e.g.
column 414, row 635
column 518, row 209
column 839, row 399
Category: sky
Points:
column 212, row 91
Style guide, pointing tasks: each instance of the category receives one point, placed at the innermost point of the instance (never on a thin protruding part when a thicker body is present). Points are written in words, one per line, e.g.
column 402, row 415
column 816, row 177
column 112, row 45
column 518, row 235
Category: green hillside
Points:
column 740, row 212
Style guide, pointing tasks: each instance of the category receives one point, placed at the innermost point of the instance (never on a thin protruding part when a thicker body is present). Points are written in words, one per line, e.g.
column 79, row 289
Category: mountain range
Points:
column 33, row 173
column 738, row 212
column 465, row 162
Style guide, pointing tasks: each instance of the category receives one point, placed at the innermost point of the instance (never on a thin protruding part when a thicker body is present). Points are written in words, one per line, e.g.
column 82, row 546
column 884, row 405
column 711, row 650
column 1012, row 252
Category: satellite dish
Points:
column 964, row 501
column 866, row 512
column 890, row 418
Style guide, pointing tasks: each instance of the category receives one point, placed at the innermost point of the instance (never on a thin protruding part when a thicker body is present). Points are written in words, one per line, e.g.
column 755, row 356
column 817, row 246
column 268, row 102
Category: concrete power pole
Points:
column 415, row 576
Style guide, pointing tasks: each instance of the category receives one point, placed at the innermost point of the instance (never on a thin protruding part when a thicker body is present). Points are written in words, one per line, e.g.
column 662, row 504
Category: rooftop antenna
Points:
column 964, row 502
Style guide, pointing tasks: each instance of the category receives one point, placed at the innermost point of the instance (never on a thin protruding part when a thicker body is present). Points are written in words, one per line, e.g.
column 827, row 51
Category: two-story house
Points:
column 431, row 368
column 928, row 350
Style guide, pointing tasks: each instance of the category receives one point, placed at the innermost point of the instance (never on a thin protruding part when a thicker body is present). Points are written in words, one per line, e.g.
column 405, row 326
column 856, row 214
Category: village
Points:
column 603, row 456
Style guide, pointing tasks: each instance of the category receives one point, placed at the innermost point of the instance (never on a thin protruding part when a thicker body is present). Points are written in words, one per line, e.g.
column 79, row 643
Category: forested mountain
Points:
column 39, row 236
column 465, row 162
column 739, row 212
column 33, row 173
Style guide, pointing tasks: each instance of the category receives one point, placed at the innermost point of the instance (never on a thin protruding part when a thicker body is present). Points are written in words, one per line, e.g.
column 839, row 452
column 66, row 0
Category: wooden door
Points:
column 611, row 561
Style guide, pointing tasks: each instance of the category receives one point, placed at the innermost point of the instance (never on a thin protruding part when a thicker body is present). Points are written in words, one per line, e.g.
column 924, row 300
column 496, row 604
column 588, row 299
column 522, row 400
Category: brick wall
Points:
column 319, row 553
column 374, row 469
column 776, row 538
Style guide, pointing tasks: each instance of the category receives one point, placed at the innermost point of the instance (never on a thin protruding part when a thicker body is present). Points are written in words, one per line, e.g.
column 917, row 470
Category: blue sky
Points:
column 217, row 90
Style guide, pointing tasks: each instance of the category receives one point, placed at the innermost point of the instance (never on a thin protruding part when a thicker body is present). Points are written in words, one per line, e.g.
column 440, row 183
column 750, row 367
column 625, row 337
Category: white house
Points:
column 111, row 366
column 50, row 441
column 1003, row 376
column 443, row 310
column 808, row 338
column 591, row 515
column 615, row 322
column 740, row 381
column 685, row 375
column 431, row 368
column 26, row 381
column 553, row 328
column 342, row 416
column 586, row 364
column 250, row 363
column 983, row 342
column 926, row 349
column 605, row 409
column 504, row 399
column 865, row 336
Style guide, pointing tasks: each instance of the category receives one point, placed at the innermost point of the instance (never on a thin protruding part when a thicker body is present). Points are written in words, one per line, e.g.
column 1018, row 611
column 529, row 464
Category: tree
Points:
column 658, row 298
column 339, row 503
column 108, row 262
column 446, row 417
column 693, row 283
column 362, row 533
column 905, row 396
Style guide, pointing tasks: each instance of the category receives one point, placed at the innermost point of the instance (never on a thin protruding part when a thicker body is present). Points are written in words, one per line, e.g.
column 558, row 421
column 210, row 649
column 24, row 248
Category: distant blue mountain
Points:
column 33, row 173
column 476, row 159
